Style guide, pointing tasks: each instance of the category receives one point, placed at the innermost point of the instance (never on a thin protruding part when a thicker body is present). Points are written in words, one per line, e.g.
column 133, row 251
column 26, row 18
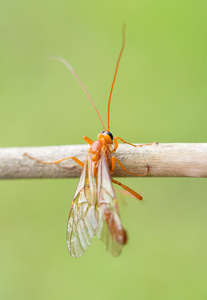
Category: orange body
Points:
column 104, row 146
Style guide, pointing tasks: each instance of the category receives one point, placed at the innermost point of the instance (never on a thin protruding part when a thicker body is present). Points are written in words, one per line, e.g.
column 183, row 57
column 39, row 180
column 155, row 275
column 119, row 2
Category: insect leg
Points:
column 124, row 142
column 55, row 162
column 114, row 159
column 127, row 189
column 88, row 141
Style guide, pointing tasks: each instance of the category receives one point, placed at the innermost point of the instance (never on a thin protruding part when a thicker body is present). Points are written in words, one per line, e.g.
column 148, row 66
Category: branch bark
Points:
column 164, row 160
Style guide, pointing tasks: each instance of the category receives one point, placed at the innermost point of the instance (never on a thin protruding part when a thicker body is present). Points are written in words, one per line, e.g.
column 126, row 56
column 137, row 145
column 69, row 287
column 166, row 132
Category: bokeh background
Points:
column 160, row 95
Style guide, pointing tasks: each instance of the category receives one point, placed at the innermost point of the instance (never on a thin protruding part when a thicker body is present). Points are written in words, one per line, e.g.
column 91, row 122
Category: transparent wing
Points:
column 82, row 221
column 94, row 211
column 110, row 229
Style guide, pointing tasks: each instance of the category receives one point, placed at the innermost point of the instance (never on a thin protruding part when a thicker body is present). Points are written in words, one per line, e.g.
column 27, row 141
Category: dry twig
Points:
column 164, row 160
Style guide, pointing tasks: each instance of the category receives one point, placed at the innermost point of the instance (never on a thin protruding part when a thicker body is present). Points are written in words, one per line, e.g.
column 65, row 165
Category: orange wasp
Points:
column 94, row 210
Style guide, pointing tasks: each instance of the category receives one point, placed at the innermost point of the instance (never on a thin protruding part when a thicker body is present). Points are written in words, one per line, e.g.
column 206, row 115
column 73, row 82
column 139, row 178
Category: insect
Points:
column 94, row 209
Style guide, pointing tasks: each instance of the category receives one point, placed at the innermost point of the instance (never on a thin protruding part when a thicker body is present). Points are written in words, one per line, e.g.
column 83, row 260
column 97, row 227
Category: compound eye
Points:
column 102, row 131
column 110, row 134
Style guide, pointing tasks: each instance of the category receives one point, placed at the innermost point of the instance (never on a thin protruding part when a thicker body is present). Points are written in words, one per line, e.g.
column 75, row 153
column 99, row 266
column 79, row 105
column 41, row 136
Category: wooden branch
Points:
column 164, row 160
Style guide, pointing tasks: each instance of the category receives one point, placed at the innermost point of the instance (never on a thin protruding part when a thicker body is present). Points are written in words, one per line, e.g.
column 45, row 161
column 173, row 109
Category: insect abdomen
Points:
column 114, row 225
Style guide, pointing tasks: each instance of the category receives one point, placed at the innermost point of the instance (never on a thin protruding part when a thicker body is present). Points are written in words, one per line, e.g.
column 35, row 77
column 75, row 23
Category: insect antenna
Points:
column 116, row 70
column 62, row 60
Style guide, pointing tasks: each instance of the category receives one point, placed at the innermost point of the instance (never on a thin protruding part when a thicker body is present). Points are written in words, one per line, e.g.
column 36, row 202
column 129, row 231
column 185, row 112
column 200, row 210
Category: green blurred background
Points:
column 160, row 95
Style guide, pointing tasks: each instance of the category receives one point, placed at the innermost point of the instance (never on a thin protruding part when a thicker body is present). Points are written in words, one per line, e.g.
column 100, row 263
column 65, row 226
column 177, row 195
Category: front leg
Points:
column 116, row 145
column 88, row 141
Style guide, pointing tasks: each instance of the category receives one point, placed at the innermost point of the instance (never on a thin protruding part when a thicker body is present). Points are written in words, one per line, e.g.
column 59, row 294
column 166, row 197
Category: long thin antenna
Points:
column 62, row 60
column 116, row 70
